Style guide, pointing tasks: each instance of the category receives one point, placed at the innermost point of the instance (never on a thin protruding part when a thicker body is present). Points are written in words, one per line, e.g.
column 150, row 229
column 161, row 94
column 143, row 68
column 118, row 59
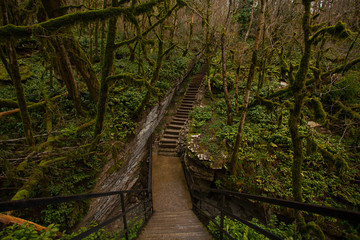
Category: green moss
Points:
column 317, row 107
column 331, row 160
column 348, row 110
column 314, row 228
column 270, row 105
column 10, row 31
column 22, row 194
column 25, row 73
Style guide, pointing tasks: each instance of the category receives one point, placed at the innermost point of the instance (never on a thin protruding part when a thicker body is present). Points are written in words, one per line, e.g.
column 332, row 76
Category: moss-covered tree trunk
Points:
column 73, row 51
column 104, row 87
column 207, row 47
column 83, row 65
column 13, row 68
column 298, row 88
column 102, row 30
column 223, row 63
column 69, row 75
column 234, row 165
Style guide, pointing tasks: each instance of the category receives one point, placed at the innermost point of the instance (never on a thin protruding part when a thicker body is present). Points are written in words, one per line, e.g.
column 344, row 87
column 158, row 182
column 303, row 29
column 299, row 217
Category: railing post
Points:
column 150, row 175
column 124, row 217
column 145, row 195
column 222, row 204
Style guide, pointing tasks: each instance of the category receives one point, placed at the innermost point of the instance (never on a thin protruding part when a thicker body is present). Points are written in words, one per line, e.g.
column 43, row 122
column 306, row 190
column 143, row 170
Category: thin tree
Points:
column 223, row 64
column 104, row 86
column 234, row 165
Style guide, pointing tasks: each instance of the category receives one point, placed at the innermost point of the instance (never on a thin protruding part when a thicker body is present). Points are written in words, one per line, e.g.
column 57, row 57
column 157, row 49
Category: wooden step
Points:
column 173, row 126
column 175, row 225
column 189, row 98
column 181, row 111
column 187, row 102
column 188, row 105
column 168, row 140
column 167, row 151
column 172, row 136
column 185, row 108
column 180, row 123
column 172, row 131
column 167, row 145
column 179, row 120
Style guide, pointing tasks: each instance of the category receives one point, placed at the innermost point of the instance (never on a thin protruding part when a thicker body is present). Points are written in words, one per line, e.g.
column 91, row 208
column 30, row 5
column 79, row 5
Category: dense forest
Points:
column 280, row 114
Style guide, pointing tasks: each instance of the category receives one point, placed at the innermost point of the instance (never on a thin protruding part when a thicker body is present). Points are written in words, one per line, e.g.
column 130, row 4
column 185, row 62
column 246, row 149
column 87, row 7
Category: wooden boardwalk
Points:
column 173, row 217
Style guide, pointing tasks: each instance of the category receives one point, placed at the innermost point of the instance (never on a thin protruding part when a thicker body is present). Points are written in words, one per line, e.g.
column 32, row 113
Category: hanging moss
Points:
column 10, row 31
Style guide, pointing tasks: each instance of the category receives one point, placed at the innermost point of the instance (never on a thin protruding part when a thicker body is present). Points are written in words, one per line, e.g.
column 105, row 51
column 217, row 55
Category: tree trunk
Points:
column 223, row 61
column 242, row 56
column 83, row 65
column 102, row 46
column 106, row 69
column 70, row 76
column 14, row 73
column 299, row 90
column 207, row 48
column 234, row 166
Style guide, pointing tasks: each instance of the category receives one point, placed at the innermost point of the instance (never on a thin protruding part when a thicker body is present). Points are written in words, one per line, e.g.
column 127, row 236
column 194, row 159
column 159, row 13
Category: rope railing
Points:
column 196, row 191
column 146, row 202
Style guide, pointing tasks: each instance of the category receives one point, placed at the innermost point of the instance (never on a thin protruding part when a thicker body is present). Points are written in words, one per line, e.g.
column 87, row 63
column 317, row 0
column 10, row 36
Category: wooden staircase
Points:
column 170, row 138
column 173, row 217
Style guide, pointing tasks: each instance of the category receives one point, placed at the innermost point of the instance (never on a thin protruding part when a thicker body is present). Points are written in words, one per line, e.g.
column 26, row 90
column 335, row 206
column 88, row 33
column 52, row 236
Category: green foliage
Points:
column 239, row 230
column 242, row 16
column 201, row 115
column 266, row 155
column 347, row 88
column 28, row 232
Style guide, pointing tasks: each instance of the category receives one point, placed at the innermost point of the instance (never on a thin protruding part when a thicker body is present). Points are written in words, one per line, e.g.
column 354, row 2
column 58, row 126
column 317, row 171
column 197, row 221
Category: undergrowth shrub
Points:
column 241, row 231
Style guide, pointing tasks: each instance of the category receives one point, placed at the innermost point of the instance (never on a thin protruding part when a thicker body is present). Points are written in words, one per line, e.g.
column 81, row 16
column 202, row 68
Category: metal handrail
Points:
column 233, row 216
column 36, row 202
column 352, row 216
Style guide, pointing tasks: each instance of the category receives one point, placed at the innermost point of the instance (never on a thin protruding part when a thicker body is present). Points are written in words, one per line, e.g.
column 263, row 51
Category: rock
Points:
column 283, row 85
column 313, row 124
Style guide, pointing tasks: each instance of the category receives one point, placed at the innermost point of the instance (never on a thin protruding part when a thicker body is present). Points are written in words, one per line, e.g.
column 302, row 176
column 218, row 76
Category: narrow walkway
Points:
column 173, row 217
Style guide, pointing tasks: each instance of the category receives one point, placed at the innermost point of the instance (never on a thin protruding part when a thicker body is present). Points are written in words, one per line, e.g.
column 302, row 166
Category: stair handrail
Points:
column 349, row 215
column 148, row 210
